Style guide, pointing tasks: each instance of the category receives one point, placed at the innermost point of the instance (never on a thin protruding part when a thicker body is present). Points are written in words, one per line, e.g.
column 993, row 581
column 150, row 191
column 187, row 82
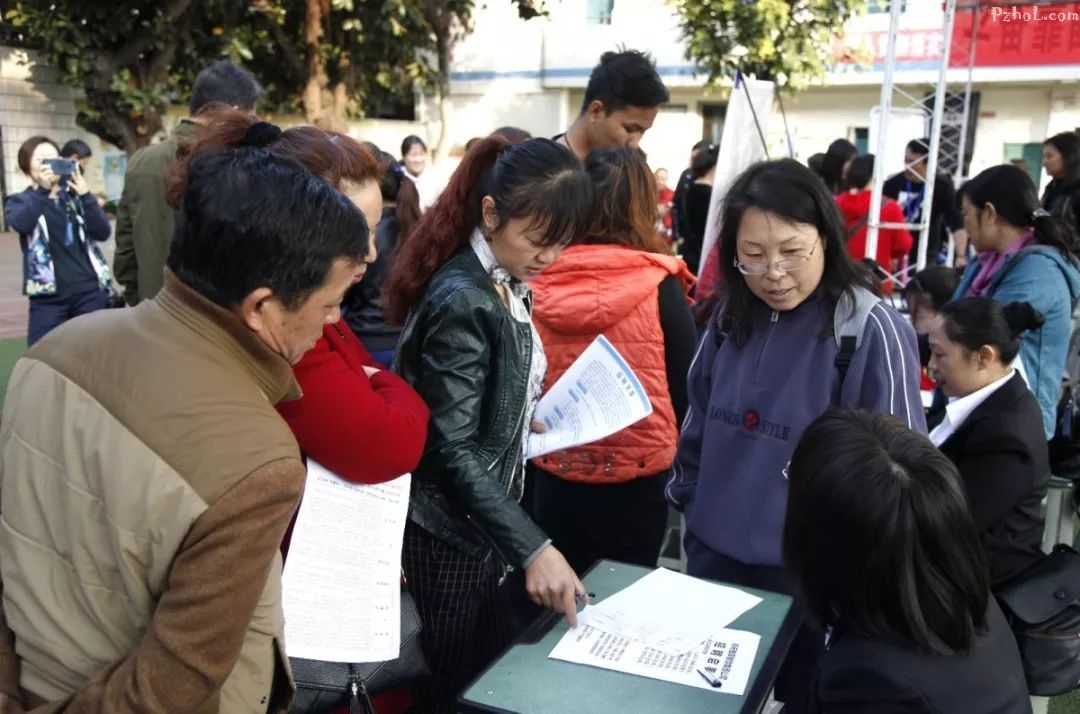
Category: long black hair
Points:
column 832, row 166
column 787, row 189
column 1068, row 145
column 878, row 536
column 1016, row 201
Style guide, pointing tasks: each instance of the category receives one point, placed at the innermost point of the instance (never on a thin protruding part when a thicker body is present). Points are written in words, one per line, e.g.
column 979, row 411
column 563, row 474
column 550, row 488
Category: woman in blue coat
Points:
column 1025, row 255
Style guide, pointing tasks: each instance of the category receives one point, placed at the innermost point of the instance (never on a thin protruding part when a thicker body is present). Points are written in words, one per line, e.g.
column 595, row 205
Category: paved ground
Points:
column 13, row 307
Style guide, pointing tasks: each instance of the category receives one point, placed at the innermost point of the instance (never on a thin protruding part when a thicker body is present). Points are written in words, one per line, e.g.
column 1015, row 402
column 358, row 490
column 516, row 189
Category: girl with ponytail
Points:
column 991, row 427
column 1025, row 255
column 460, row 284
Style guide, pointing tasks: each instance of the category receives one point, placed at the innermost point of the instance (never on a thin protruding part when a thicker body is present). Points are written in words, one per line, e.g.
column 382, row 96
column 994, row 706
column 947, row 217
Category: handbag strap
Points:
column 359, row 699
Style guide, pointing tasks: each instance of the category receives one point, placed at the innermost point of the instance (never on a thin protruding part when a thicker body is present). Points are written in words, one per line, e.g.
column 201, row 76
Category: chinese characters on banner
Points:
column 1035, row 36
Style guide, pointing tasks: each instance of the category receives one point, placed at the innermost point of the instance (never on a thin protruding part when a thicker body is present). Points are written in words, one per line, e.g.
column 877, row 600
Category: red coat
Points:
column 365, row 430
column 893, row 243
column 610, row 290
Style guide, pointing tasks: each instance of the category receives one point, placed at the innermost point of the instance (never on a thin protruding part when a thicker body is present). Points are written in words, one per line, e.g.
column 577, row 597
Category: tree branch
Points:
column 288, row 49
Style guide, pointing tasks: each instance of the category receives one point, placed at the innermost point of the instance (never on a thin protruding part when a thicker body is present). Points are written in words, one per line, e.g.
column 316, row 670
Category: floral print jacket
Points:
column 25, row 211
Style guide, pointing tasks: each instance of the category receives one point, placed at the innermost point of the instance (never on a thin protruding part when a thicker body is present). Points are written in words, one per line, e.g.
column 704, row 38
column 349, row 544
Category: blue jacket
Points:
column 1049, row 281
column 749, row 405
column 25, row 213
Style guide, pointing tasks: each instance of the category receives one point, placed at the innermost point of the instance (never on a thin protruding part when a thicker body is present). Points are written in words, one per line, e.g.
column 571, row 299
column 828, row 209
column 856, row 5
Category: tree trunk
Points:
column 443, row 45
column 316, row 67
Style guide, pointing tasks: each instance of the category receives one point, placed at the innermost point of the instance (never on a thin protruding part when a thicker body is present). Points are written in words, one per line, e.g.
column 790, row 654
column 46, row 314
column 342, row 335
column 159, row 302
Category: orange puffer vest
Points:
column 610, row 290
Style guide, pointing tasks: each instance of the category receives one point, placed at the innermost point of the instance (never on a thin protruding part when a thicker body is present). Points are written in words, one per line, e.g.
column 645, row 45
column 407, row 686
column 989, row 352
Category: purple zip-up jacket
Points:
column 749, row 405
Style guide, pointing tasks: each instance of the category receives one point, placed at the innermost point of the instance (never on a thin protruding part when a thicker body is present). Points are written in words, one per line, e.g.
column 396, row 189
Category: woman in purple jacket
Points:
column 799, row 330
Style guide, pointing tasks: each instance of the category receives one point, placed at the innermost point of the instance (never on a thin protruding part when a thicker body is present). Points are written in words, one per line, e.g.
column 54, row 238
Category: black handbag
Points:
column 327, row 686
column 1042, row 605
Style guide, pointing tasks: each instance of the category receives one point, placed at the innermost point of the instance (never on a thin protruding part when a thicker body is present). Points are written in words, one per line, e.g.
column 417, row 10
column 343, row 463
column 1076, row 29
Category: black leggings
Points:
column 795, row 681
column 588, row 522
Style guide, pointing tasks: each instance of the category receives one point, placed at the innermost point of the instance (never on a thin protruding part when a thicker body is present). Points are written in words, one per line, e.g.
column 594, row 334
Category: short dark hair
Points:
column 878, row 536
column 784, row 188
column 625, row 79
column 938, row 283
column 919, row 147
column 227, row 84
column 860, row 172
column 977, row 321
column 250, row 219
column 27, row 150
column 1068, row 145
column 77, row 148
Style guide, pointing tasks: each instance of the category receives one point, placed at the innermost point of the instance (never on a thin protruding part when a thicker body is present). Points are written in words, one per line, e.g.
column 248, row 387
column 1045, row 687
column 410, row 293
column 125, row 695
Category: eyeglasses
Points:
column 787, row 265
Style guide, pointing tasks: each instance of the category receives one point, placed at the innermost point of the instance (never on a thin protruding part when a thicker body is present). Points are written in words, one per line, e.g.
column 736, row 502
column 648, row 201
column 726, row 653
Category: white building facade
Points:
column 533, row 74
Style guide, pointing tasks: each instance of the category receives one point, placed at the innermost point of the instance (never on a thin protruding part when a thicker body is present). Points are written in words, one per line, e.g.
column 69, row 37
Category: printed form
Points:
column 720, row 663
column 597, row 396
column 668, row 626
column 341, row 587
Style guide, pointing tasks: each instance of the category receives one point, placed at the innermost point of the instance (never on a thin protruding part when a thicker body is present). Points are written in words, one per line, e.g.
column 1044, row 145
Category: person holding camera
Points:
column 59, row 224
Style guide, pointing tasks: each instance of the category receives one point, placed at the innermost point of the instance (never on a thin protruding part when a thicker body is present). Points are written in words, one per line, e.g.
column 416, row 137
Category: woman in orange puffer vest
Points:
column 606, row 499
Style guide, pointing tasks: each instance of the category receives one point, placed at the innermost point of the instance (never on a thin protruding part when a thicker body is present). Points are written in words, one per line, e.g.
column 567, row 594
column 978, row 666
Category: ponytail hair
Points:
column 537, row 180
column 975, row 322
column 399, row 189
column 1016, row 200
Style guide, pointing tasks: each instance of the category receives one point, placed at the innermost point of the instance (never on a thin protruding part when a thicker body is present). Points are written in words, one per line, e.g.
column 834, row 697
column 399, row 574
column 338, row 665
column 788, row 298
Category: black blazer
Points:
column 1001, row 454
column 861, row 676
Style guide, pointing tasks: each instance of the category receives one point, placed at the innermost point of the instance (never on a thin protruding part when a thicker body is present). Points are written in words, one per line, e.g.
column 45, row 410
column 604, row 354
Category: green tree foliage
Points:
column 326, row 59
column 787, row 41
column 123, row 54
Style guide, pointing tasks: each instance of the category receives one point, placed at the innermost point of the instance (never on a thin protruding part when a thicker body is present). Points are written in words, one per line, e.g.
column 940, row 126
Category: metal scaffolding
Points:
column 932, row 104
column 948, row 110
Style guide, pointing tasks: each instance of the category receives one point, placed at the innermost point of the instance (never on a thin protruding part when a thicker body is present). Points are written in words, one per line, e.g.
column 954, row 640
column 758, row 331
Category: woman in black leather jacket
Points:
column 468, row 347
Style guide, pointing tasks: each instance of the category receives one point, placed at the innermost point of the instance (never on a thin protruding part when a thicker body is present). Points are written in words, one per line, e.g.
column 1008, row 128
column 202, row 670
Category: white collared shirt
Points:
column 959, row 409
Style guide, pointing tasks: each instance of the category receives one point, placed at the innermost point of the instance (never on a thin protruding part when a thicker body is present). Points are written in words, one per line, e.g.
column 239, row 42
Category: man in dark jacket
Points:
column 144, row 222
column 909, row 188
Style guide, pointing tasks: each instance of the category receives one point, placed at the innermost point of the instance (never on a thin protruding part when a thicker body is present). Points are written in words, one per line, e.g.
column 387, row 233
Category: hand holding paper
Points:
column 596, row 397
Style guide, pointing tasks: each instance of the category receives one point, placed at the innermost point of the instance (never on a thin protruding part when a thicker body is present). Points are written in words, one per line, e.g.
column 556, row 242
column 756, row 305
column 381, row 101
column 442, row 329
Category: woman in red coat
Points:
column 356, row 418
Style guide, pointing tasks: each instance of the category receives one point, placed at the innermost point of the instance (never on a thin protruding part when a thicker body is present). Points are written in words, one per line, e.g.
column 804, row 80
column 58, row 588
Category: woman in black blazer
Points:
column 992, row 427
column 885, row 556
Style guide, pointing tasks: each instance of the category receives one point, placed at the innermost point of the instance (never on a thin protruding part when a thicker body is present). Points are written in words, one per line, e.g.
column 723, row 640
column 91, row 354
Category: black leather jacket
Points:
column 466, row 355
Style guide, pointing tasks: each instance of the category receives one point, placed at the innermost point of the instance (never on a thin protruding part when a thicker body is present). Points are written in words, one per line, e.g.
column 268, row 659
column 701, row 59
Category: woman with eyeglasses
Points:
column 770, row 363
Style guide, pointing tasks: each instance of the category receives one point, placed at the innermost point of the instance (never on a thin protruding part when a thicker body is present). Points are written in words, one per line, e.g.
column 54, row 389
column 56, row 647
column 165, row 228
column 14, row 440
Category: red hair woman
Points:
column 460, row 283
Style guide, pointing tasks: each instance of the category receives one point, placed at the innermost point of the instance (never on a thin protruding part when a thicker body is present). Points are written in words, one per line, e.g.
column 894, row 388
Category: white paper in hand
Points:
column 341, row 587
column 597, row 396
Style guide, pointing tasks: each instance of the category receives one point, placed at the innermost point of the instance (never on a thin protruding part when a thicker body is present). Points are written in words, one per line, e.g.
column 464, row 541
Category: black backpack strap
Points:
column 857, row 227
column 848, row 344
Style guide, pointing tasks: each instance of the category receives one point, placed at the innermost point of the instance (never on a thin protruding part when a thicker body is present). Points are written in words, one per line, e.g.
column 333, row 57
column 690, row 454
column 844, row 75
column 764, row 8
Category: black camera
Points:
column 64, row 168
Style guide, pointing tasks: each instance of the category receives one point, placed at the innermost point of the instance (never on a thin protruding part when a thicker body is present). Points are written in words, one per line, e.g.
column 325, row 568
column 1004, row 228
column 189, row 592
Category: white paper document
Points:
column 670, row 611
column 597, row 396
column 341, row 587
column 721, row 663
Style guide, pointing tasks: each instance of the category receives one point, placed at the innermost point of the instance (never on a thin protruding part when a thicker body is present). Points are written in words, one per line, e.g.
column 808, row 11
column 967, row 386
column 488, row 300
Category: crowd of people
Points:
column 299, row 295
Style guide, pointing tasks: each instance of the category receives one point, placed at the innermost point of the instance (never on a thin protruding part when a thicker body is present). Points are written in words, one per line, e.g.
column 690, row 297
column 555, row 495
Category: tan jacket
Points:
column 145, row 484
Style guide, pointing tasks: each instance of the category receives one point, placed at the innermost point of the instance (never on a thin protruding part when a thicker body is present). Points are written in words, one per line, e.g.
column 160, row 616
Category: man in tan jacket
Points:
column 145, row 477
